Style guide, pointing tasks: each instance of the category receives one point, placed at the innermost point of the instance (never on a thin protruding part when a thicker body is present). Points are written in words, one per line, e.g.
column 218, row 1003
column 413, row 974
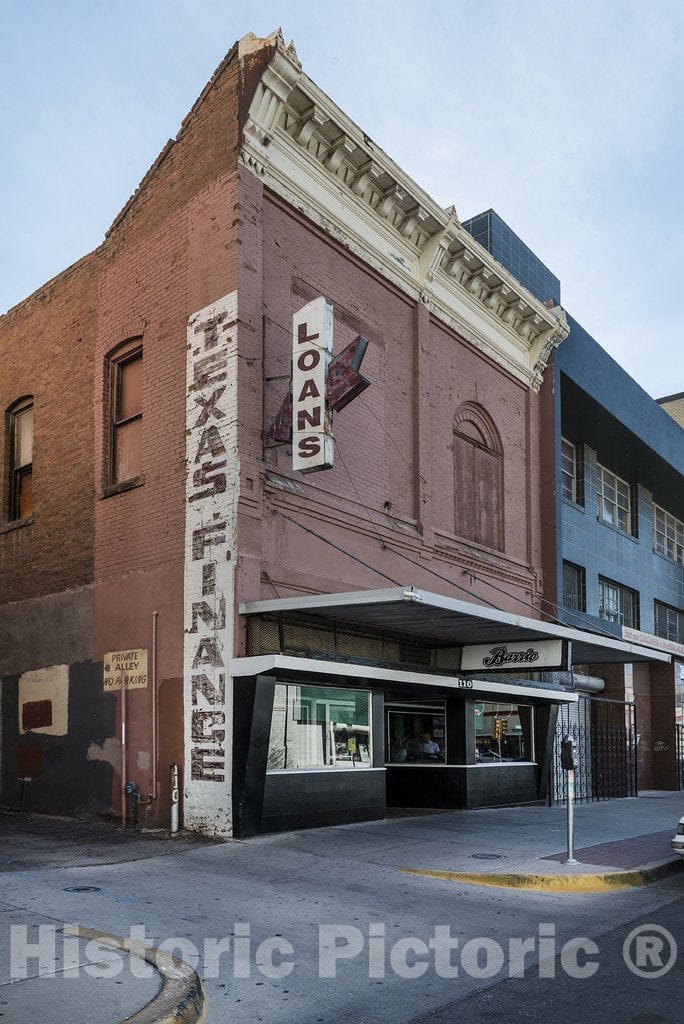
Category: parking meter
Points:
column 569, row 760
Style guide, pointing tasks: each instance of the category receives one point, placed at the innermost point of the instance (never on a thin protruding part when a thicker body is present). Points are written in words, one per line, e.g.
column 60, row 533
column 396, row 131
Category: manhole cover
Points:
column 486, row 856
column 82, row 888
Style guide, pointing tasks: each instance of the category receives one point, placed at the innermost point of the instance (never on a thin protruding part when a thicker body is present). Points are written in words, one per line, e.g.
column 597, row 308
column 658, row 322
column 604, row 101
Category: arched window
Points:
column 21, row 459
column 478, row 477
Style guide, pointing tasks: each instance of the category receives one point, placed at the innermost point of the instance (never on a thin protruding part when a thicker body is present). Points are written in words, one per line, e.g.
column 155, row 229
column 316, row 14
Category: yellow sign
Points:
column 131, row 666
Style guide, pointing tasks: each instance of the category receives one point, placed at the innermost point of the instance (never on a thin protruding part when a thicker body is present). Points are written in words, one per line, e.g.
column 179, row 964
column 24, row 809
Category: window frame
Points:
column 621, row 592
column 581, row 578
column 602, row 499
column 475, row 427
column 576, row 496
column 122, row 355
column 675, row 535
column 16, row 473
column 678, row 638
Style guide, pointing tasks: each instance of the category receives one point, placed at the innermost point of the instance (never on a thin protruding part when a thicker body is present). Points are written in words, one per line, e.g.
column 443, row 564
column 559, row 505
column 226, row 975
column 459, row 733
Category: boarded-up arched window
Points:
column 478, row 477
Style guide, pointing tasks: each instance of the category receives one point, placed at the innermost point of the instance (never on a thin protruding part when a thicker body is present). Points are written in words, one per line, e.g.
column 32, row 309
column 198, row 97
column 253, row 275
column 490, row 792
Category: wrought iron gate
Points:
column 680, row 755
column 605, row 737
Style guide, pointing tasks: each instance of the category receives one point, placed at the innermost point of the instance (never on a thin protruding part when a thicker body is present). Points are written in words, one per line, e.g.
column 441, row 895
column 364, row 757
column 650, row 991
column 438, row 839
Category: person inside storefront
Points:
column 427, row 747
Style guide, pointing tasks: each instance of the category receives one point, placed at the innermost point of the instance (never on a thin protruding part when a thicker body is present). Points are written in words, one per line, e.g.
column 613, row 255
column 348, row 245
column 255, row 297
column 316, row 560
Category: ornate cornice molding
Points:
column 311, row 154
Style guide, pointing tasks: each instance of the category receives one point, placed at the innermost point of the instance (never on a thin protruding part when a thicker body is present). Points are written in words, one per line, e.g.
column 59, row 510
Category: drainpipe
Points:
column 124, row 762
column 175, row 797
column 153, row 685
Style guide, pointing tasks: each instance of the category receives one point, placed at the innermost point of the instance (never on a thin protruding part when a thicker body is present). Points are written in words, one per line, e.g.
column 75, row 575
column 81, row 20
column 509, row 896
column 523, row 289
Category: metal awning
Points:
column 446, row 620
column 315, row 670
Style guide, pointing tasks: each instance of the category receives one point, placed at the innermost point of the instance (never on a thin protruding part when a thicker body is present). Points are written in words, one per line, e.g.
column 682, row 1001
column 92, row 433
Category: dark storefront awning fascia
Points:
column 314, row 670
column 447, row 620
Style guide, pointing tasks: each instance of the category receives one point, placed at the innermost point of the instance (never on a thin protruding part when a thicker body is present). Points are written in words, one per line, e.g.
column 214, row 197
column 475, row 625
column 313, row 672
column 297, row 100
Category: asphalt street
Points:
column 323, row 927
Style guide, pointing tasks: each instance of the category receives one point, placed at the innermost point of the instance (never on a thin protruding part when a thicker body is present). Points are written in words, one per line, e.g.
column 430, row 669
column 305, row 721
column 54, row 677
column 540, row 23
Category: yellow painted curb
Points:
column 613, row 881
column 181, row 999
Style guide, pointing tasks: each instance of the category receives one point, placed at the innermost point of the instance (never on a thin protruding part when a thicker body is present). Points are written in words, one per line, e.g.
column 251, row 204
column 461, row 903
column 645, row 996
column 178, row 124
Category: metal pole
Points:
column 570, row 859
column 123, row 750
column 154, row 710
column 175, row 797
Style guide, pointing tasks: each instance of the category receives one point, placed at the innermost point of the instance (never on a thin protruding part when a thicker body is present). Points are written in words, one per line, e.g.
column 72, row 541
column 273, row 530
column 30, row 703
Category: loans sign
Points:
column 312, row 345
column 504, row 656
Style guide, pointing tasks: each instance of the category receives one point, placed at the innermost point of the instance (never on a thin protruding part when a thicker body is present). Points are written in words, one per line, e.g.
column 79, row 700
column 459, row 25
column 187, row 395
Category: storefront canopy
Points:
column 421, row 614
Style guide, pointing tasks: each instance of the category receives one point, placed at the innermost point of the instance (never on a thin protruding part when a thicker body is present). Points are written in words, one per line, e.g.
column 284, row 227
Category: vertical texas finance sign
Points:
column 211, row 492
column 312, row 340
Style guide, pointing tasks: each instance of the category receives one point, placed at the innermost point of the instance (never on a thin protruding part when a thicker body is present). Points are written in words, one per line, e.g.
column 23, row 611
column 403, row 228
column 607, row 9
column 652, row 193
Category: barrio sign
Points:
column 312, row 338
column 504, row 656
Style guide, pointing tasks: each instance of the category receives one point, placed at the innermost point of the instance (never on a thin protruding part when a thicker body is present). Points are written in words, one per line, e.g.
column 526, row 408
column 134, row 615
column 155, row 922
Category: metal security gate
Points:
column 680, row 755
column 605, row 737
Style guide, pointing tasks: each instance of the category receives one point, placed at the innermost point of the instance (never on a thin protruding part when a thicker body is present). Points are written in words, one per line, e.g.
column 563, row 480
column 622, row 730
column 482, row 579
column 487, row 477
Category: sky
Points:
column 565, row 117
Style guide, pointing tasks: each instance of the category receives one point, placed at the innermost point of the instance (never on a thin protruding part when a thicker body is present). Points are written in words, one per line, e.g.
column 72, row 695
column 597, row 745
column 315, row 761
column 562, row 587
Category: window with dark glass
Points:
column 416, row 735
column 669, row 622
column 21, row 460
column 319, row 727
column 503, row 732
column 618, row 604
column 126, row 414
column 574, row 587
column 478, row 478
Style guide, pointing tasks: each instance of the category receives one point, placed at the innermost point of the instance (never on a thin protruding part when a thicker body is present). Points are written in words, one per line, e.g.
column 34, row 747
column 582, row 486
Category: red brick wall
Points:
column 46, row 350
column 393, row 476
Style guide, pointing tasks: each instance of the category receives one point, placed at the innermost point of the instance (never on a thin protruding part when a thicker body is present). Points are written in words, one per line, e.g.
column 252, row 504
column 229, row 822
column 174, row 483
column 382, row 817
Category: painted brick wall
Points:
column 393, row 476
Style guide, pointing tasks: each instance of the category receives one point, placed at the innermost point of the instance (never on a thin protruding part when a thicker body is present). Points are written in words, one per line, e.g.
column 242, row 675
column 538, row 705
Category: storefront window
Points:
column 416, row 736
column 319, row 727
column 503, row 732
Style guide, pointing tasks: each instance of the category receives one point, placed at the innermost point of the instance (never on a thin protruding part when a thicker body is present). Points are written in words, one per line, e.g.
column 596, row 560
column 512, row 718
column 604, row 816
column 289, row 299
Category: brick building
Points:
column 174, row 588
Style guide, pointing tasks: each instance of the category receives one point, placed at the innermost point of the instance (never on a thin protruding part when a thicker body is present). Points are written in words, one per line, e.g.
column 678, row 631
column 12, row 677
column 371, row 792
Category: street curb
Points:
column 181, row 999
column 588, row 882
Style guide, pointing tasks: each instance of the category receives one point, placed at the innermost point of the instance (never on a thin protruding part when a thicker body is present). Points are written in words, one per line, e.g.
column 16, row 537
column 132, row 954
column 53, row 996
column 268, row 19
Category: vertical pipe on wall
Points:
column 154, row 710
column 123, row 751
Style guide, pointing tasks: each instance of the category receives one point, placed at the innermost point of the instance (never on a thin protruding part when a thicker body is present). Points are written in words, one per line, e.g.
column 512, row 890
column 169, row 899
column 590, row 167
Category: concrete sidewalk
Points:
column 623, row 838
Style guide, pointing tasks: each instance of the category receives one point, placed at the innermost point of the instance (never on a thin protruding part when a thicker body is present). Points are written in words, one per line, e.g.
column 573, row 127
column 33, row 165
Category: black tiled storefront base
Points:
column 445, row 787
column 311, row 799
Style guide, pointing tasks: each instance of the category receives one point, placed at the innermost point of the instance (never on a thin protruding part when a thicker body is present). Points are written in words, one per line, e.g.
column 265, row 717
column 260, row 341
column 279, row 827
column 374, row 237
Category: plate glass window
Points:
column 618, row 604
column 416, row 735
column 319, row 727
column 126, row 460
column 614, row 500
column 21, row 461
column 668, row 535
column 503, row 732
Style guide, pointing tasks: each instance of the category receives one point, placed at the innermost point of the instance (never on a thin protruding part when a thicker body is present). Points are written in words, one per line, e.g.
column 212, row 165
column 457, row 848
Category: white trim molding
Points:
column 307, row 151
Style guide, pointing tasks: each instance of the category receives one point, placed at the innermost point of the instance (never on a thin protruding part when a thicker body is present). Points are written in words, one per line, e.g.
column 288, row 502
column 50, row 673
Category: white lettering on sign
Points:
column 312, row 345
column 503, row 656
column 128, row 667
column 212, row 487
column 635, row 636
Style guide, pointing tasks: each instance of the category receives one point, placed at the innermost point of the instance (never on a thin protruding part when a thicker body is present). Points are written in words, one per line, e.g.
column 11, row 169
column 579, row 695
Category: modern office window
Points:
column 614, row 500
column 125, row 403
column 319, row 727
column 574, row 587
column 668, row 535
column 618, row 604
column 21, row 460
column 669, row 622
column 503, row 732
column 478, row 478
column 571, row 472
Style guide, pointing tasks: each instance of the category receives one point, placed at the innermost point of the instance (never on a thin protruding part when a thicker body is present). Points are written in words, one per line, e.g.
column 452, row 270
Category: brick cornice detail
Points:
column 311, row 154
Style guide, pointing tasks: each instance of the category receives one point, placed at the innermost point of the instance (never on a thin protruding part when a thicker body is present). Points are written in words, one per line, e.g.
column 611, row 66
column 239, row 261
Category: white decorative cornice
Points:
column 311, row 154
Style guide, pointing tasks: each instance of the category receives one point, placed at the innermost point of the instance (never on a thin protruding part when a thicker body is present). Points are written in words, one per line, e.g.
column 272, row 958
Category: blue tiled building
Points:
column 614, row 492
